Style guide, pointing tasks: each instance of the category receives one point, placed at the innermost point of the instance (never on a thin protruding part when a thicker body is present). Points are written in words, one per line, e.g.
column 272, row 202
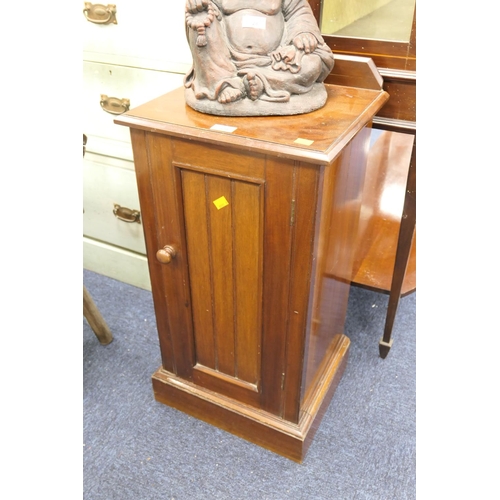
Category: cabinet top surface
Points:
column 316, row 137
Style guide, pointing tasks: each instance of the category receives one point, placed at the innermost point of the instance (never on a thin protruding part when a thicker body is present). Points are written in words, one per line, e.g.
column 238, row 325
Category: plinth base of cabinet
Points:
column 285, row 438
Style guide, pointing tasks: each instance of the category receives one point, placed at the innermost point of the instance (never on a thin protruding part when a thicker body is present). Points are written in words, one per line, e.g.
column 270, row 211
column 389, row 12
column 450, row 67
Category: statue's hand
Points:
column 284, row 55
column 306, row 42
column 195, row 6
column 286, row 58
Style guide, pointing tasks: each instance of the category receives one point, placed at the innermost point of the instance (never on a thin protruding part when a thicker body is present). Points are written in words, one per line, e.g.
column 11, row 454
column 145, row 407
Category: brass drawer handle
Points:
column 100, row 14
column 127, row 215
column 114, row 105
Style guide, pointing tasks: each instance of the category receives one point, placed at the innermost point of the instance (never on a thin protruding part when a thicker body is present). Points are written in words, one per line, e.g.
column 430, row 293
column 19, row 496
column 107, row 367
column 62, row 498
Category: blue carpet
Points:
column 138, row 449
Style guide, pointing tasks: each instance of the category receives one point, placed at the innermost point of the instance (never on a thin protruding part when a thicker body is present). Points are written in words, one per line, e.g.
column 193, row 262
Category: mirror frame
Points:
column 396, row 63
column 385, row 54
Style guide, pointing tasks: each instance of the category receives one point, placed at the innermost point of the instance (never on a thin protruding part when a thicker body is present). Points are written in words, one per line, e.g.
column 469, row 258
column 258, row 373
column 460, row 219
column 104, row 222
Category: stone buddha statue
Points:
column 255, row 57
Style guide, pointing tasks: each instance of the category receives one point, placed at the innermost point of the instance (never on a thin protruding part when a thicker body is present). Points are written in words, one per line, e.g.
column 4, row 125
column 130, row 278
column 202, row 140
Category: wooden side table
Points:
column 250, row 226
column 385, row 258
column 386, row 250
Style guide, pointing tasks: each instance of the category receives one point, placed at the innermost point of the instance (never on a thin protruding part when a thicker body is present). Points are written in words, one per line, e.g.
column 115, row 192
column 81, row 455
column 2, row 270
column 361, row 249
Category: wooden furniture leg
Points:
column 90, row 310
column 407, row 228
column 95, row 319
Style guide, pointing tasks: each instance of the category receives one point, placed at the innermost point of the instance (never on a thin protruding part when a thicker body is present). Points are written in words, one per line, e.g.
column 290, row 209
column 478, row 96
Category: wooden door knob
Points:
column 166, row 254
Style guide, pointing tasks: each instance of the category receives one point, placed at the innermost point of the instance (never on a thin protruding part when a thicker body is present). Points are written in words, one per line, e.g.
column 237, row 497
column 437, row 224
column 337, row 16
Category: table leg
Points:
column 95, row 319
column 406, row 231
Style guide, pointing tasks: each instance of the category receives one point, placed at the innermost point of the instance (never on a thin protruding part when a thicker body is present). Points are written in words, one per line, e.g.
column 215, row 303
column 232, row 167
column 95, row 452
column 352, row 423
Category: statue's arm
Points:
column 301, row 21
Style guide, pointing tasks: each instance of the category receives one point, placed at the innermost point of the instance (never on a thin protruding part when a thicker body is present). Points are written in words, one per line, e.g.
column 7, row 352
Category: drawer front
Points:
column 119, row 82
column 148, row 34
column 107, row 183
column 117, row 263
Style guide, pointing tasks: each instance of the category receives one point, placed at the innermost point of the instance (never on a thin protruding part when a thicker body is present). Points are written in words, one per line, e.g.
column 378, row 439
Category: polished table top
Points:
column 316, row 137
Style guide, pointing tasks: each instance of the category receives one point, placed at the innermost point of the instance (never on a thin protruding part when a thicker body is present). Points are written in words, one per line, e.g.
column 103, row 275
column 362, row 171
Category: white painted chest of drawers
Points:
column 145, row 54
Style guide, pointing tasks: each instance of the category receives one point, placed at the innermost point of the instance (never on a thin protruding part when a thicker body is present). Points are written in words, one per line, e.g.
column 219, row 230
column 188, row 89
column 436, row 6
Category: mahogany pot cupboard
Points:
column 250, row 226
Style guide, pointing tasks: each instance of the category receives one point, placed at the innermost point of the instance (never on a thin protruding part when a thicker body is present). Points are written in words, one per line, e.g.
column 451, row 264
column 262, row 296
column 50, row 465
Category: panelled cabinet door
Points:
column 223, row 223
column 226, row 218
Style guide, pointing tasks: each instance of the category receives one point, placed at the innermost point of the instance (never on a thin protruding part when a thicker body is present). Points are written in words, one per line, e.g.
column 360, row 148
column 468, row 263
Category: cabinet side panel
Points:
column 336, row 249
column 305, row 196
column 346, row 212
column 315, row 340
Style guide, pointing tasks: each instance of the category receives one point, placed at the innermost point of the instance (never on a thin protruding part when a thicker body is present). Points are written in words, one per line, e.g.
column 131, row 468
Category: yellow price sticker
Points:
column 303, row 142
column 221, row 202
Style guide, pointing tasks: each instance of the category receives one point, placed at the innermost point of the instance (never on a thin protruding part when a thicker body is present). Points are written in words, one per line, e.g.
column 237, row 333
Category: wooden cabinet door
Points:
column 223, row 222
column 227, row 216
